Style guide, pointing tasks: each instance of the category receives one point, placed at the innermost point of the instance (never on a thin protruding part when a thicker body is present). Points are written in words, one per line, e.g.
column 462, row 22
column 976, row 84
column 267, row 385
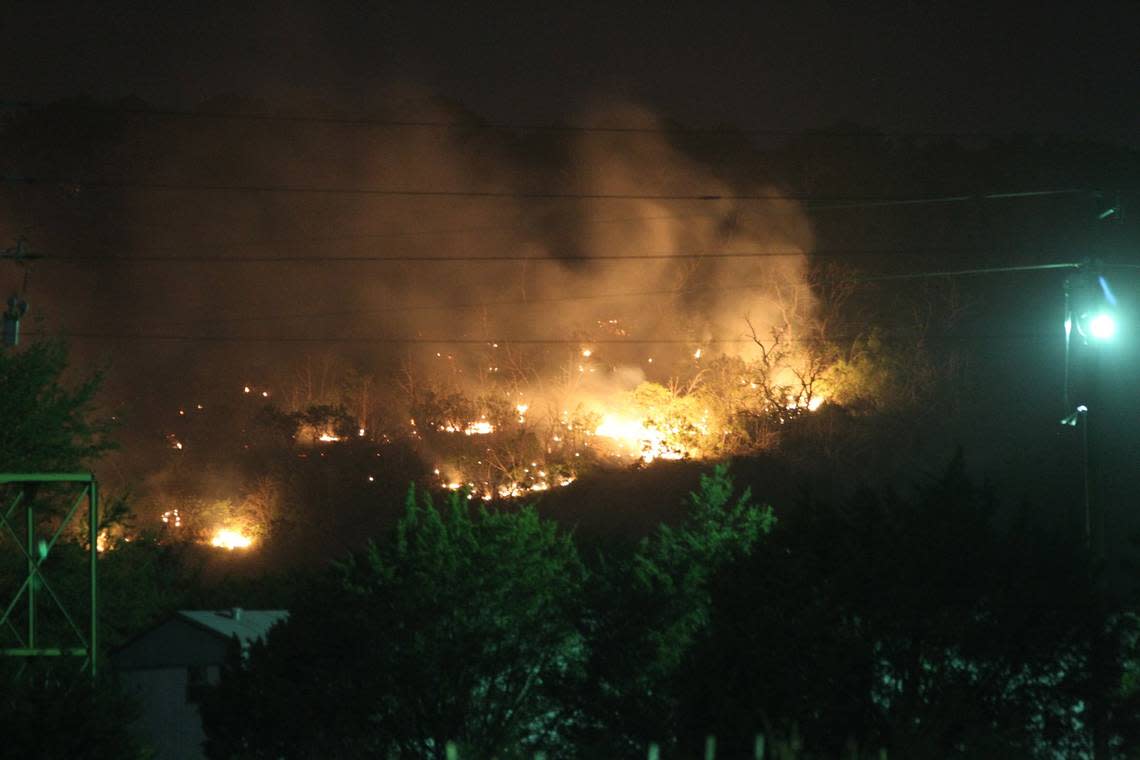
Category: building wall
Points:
column 157, row 668
column 168, row 721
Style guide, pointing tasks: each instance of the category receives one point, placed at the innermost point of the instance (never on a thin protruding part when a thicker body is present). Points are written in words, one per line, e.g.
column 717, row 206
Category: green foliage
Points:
column 718, row 528
column 914, row 622
column 907, row 621
column 649, row 610
column 139, row 582
column 44, row 717
column 683, row 419
column 676, row 565
column 726, row 391
column 862, row 377
column 471, row 626
column 878, row 374
column 457, row 628
column 46, row 425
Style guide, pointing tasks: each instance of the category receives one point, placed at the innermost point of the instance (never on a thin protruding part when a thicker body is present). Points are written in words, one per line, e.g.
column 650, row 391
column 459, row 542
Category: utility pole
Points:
column 17, row 305
column 1090, row 318
column 1090, row 307
column 27, row 634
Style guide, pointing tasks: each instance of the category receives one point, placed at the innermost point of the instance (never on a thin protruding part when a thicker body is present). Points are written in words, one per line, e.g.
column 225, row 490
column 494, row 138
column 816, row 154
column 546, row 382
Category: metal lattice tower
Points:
column 19, row 491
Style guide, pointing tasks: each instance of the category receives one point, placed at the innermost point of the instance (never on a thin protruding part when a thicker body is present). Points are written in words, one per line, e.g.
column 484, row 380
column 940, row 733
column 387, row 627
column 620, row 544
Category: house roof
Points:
column 247, row 625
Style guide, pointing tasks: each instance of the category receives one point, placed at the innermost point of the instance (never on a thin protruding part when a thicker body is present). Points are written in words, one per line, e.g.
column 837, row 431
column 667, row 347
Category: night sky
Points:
column 924, row 66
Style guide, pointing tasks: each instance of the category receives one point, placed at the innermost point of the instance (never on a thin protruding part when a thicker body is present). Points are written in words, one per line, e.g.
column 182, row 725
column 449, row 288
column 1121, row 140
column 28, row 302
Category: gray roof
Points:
column 247, row 625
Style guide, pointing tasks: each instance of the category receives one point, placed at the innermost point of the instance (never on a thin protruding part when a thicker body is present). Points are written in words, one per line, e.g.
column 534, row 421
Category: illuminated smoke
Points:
column 602, row 315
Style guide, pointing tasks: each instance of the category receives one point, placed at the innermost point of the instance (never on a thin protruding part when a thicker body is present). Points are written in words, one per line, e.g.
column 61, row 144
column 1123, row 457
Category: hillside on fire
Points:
column 425, row 381
column 308, row 370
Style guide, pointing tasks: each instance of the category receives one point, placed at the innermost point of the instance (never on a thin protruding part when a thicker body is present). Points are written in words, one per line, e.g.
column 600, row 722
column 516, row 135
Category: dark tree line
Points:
column 915, row 622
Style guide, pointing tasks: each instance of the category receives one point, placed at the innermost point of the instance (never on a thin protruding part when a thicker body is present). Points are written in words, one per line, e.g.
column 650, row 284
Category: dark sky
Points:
column 1058, row 67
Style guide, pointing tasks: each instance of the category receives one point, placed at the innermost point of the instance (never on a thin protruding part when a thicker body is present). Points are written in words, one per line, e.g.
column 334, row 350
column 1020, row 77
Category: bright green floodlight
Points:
column 1102, row 326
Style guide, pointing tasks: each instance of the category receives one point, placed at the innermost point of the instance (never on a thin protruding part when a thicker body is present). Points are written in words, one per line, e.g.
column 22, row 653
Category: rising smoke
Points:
column 275, row 189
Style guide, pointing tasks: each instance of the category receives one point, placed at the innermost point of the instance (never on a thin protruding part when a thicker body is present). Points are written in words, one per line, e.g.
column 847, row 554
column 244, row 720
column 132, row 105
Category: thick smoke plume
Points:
column 297, row 328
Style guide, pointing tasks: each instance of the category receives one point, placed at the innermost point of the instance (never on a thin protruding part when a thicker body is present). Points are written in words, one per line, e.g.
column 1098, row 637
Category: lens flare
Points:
column 1102, row 326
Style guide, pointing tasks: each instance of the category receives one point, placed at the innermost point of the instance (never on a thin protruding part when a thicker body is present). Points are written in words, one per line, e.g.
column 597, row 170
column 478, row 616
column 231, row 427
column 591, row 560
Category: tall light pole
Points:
column 1091, row 310
column 1090, row 318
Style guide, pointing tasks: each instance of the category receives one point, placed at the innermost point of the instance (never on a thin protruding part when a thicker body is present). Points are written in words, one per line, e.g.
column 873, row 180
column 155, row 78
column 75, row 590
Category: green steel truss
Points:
column 19, row 623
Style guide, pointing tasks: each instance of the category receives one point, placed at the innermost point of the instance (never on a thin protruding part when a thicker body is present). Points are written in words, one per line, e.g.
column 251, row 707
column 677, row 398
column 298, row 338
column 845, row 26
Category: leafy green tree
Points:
column 458, row 628
column 49, row 709
column 60, row 718
column 919, row 623
column 876, row 373
column 46, row 424
column 647, row 610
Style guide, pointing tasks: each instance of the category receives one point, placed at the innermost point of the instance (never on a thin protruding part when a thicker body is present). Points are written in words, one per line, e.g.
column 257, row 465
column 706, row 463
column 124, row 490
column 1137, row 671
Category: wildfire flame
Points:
column 482, row 427
column 230, row 539
column 812, row 403
column 646, row 441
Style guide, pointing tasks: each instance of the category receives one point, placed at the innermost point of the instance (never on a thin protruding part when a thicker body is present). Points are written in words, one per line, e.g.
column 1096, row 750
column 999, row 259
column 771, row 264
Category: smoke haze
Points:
column 568, row 292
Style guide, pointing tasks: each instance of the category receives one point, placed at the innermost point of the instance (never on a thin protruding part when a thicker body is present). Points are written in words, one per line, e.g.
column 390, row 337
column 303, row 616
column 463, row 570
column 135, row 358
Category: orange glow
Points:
column 230, row 539
column 479, row 428
column 645, row 441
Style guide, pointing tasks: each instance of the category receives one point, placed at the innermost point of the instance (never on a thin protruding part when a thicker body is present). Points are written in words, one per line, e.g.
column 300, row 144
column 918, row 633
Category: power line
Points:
column 305, row 239
column 828, row 201
column 546, row 259
column 532, row 302
column 968, row 272
column 475, row 125
column 555, row 341
column 466, row 306
column 382, row 340
column 500, row 341
column 390, row 192
column 945, row 199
